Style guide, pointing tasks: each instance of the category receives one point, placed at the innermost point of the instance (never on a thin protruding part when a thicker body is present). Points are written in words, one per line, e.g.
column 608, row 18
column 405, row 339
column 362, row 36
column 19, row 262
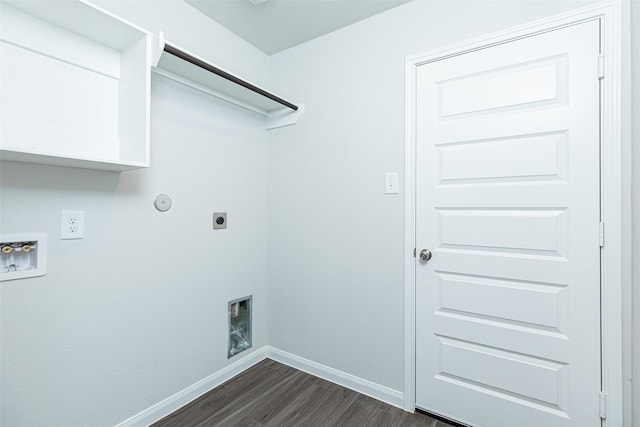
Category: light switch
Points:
column 391, row 183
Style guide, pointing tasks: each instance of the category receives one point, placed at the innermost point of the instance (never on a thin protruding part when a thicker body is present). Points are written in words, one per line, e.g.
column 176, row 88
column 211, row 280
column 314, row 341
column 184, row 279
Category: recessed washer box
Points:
column 23, row 255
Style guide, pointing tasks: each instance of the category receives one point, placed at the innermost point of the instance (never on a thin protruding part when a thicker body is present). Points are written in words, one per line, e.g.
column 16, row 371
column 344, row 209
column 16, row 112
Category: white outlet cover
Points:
column 72, row 225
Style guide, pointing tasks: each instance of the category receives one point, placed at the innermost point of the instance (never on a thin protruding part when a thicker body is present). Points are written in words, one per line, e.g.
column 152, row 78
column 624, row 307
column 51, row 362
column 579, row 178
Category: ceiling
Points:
column 276, row 25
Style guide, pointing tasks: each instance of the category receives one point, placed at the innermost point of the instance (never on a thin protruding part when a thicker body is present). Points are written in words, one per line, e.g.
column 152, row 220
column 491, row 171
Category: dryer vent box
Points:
column 239, row 325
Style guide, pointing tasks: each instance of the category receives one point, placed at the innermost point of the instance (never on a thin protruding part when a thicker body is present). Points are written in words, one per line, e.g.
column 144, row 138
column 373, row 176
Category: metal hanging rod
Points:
column 199, row 63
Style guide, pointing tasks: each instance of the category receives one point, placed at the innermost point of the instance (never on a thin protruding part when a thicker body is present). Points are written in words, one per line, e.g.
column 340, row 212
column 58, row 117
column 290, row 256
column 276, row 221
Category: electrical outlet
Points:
column 219, row 220
column 72, row 225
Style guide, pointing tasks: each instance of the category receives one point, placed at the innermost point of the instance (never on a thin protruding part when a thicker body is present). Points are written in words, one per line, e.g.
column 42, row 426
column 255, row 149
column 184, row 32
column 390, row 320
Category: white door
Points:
column 507, row 200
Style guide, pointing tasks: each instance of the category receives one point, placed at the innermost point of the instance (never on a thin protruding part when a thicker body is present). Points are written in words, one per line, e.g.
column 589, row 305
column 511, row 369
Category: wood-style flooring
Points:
column 273, row 394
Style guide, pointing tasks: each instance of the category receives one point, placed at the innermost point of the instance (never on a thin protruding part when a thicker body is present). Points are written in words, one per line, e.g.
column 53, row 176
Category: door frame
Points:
column 615, row 172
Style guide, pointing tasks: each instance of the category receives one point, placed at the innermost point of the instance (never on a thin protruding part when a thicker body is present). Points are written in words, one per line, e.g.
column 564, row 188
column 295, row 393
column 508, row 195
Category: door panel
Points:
column 507, row 199
column 493, row 90
column 529, row 304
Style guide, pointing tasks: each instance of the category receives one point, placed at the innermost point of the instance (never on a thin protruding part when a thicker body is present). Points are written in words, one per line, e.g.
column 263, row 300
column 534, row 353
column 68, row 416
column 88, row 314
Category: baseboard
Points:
column 377, row 391
column 183, row 397
column 178, row 400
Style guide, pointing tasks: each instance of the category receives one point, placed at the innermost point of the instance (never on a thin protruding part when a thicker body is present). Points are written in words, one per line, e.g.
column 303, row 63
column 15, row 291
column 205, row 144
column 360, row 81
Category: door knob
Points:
column 425, row 255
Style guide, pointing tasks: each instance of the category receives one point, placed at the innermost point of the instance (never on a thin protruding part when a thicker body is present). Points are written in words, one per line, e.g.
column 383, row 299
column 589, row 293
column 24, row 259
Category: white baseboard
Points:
column 377, row 391
column 181, row 398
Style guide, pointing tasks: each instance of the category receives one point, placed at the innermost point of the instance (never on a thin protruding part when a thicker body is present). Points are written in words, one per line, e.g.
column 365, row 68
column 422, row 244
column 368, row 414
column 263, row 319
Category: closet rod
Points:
column 197, row 62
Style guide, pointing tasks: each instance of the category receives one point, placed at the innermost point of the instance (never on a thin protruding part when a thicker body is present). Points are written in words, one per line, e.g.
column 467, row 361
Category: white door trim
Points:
column 615, row 190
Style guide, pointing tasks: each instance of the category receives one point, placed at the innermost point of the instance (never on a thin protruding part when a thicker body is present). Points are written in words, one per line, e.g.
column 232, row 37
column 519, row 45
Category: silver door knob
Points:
column 425, row 255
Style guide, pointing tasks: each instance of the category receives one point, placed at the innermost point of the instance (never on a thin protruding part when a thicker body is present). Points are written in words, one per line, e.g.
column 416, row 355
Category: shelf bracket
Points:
column 284, row 117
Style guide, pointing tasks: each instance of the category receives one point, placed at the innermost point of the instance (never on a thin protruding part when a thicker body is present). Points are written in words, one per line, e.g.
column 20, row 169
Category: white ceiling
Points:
column 276, row 25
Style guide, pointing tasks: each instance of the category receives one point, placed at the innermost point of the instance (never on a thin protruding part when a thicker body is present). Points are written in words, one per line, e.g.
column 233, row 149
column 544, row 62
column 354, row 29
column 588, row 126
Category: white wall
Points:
column 336, row 241
column 635, row 120
column 137, row 310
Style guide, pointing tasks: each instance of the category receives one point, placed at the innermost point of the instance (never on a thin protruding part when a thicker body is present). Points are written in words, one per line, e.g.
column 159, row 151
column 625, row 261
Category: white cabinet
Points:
column 75, row 82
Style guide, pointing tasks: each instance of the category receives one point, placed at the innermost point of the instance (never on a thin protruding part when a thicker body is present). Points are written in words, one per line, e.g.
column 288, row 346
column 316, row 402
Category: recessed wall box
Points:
column 239, row 325
column 23, row 255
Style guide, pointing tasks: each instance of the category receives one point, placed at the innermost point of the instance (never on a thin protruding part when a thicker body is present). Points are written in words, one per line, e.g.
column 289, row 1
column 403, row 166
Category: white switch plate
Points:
column 391, row 183
column 72, row 225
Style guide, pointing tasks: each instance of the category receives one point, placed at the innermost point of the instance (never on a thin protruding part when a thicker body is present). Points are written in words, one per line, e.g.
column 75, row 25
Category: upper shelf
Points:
column 76, row 86
column 185, row 67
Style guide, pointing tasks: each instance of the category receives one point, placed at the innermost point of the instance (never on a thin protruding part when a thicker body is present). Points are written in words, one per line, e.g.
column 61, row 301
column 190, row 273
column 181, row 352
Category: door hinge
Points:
column 601, row 66
column 414, row 252
column 603, row 405
column 601, row 234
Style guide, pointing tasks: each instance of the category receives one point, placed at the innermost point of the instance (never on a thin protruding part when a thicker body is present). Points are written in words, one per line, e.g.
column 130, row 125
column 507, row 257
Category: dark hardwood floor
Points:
column 273, row 394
